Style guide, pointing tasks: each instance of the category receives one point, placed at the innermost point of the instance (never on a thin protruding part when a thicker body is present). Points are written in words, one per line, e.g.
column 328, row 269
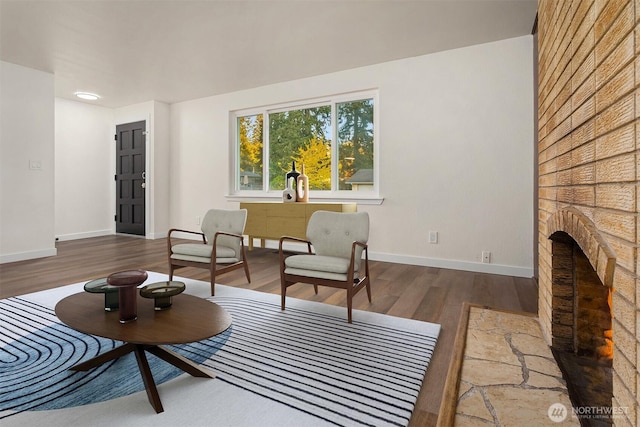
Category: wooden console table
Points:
column 272, row 220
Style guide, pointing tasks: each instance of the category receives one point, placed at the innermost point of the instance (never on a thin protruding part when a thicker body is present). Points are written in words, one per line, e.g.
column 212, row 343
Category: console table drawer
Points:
column 286, row 226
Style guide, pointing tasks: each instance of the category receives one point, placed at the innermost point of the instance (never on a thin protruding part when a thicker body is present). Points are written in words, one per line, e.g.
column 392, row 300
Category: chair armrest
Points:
column 290, row 239
column 204, row 239
column 224, row 233
column 365, row 249
column 215, row 244
column 238, row 236
column 362, row 245
column 293, row 239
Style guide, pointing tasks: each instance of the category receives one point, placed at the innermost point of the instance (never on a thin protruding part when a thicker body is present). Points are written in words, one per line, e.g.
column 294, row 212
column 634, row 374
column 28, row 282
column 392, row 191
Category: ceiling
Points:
column 135, row 51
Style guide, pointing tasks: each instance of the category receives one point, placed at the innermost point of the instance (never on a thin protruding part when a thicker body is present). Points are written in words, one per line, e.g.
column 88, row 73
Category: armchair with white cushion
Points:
column 339, row 240
column 221, row 250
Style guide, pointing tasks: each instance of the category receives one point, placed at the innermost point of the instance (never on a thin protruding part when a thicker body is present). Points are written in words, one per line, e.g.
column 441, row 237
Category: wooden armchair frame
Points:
column 175, row 264
column 352, row 285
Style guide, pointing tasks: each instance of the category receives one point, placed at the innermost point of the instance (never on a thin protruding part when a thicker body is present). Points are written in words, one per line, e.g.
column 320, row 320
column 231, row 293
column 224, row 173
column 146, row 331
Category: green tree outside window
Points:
column 304, row 135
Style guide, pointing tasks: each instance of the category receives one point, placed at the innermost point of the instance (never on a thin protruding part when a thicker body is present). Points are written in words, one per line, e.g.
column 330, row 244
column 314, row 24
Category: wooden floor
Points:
column 421, row 293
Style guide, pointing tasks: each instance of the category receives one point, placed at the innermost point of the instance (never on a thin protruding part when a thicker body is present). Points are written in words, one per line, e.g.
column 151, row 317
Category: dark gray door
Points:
column 130, row 178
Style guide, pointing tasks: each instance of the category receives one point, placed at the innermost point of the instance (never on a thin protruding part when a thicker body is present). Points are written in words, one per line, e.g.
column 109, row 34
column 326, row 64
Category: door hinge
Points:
column 115, row 137
column 115, row 218
column 115, row 177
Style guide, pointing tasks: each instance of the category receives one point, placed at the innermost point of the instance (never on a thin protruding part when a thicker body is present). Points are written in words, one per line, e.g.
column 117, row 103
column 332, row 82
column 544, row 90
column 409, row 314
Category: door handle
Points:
column 144, row 175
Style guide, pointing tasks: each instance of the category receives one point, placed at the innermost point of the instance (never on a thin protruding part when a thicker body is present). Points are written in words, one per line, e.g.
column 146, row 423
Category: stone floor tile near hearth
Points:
column 487, row 372
column 527, row 344
column 525, row 407
column 544, row 381
column 502, row 322
column 543, row 364
column 464, row 387
column 489, row 345
column 471, row 405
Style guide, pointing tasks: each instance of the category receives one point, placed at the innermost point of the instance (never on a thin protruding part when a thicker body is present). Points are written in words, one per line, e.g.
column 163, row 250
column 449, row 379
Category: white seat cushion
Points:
column 317, row 274
column 201, row 251
column 326, row 264
column 204, row 260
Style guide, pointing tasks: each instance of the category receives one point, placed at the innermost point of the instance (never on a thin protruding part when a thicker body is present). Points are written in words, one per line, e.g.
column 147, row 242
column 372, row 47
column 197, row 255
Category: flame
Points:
column 605, row 352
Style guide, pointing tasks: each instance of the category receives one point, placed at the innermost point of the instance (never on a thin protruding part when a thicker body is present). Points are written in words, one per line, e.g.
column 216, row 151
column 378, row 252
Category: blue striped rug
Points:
column 306, row 362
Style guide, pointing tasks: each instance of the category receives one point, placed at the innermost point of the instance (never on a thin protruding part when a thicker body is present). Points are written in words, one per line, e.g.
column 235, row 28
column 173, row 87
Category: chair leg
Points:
column 368, row 290
column 349, row 304
column 246, row 271
column 283, row 295
column 213, row 282
column 315, row 288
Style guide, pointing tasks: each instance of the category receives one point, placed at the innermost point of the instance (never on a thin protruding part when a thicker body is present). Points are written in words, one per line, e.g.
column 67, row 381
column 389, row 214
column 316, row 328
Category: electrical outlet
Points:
column 486, row 257
column 433, row 237
column 35, row 165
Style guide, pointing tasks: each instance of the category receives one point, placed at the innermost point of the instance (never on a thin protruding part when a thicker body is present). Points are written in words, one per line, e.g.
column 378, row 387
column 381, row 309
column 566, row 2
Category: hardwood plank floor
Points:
column 415, row 292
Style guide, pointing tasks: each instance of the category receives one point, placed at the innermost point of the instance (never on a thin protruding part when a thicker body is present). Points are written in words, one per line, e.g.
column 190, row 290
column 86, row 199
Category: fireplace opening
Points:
column 582, row 337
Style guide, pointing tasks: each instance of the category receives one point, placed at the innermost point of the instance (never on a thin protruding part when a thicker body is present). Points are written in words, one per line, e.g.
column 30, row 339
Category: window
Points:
column 268, row 141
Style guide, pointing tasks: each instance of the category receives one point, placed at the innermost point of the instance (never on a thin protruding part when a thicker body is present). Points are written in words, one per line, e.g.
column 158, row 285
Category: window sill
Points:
column 361, row 200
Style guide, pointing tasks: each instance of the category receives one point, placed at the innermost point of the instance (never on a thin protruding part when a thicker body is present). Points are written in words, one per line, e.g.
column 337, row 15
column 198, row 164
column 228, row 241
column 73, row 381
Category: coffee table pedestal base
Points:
column 163, row 353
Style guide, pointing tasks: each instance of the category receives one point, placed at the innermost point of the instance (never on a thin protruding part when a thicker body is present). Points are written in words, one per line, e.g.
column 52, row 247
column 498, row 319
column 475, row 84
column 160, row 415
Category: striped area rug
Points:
column 303, row 366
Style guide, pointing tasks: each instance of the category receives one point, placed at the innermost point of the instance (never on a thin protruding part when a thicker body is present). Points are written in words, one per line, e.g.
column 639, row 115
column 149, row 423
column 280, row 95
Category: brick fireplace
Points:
column 588, row 192
column 581, row 320
column 581, row 317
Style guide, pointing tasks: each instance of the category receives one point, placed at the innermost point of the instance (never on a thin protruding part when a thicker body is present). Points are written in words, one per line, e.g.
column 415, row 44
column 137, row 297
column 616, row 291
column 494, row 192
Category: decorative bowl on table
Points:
column 162, row 292
column 100, row 286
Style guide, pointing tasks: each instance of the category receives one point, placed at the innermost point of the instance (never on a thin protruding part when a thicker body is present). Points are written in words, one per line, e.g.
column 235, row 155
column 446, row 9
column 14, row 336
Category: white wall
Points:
column 84, row 174
column 85, row 159
column 159, row 181
column 85, row 167
column 26, row 137
column 456, row 148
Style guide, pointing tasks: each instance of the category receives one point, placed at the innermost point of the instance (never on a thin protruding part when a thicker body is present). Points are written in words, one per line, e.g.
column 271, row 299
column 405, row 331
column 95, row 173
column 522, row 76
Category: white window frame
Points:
column 363, row 197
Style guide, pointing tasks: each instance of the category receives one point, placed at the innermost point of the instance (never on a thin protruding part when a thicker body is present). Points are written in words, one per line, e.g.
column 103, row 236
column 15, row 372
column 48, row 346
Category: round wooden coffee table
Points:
column 189, row 319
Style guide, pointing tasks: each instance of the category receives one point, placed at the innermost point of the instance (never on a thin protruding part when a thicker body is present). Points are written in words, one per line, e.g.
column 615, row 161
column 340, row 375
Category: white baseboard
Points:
column 85, row 235
column 504, row 270
column 23, row 256
column 98, row 233
column 154, row 236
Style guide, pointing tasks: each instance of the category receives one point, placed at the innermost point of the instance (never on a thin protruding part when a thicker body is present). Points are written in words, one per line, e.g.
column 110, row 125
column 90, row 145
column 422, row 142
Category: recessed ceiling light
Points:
column 87, row 95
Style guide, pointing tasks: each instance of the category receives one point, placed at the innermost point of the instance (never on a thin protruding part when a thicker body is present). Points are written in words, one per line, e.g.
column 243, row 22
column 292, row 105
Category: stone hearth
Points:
column 509, row 376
